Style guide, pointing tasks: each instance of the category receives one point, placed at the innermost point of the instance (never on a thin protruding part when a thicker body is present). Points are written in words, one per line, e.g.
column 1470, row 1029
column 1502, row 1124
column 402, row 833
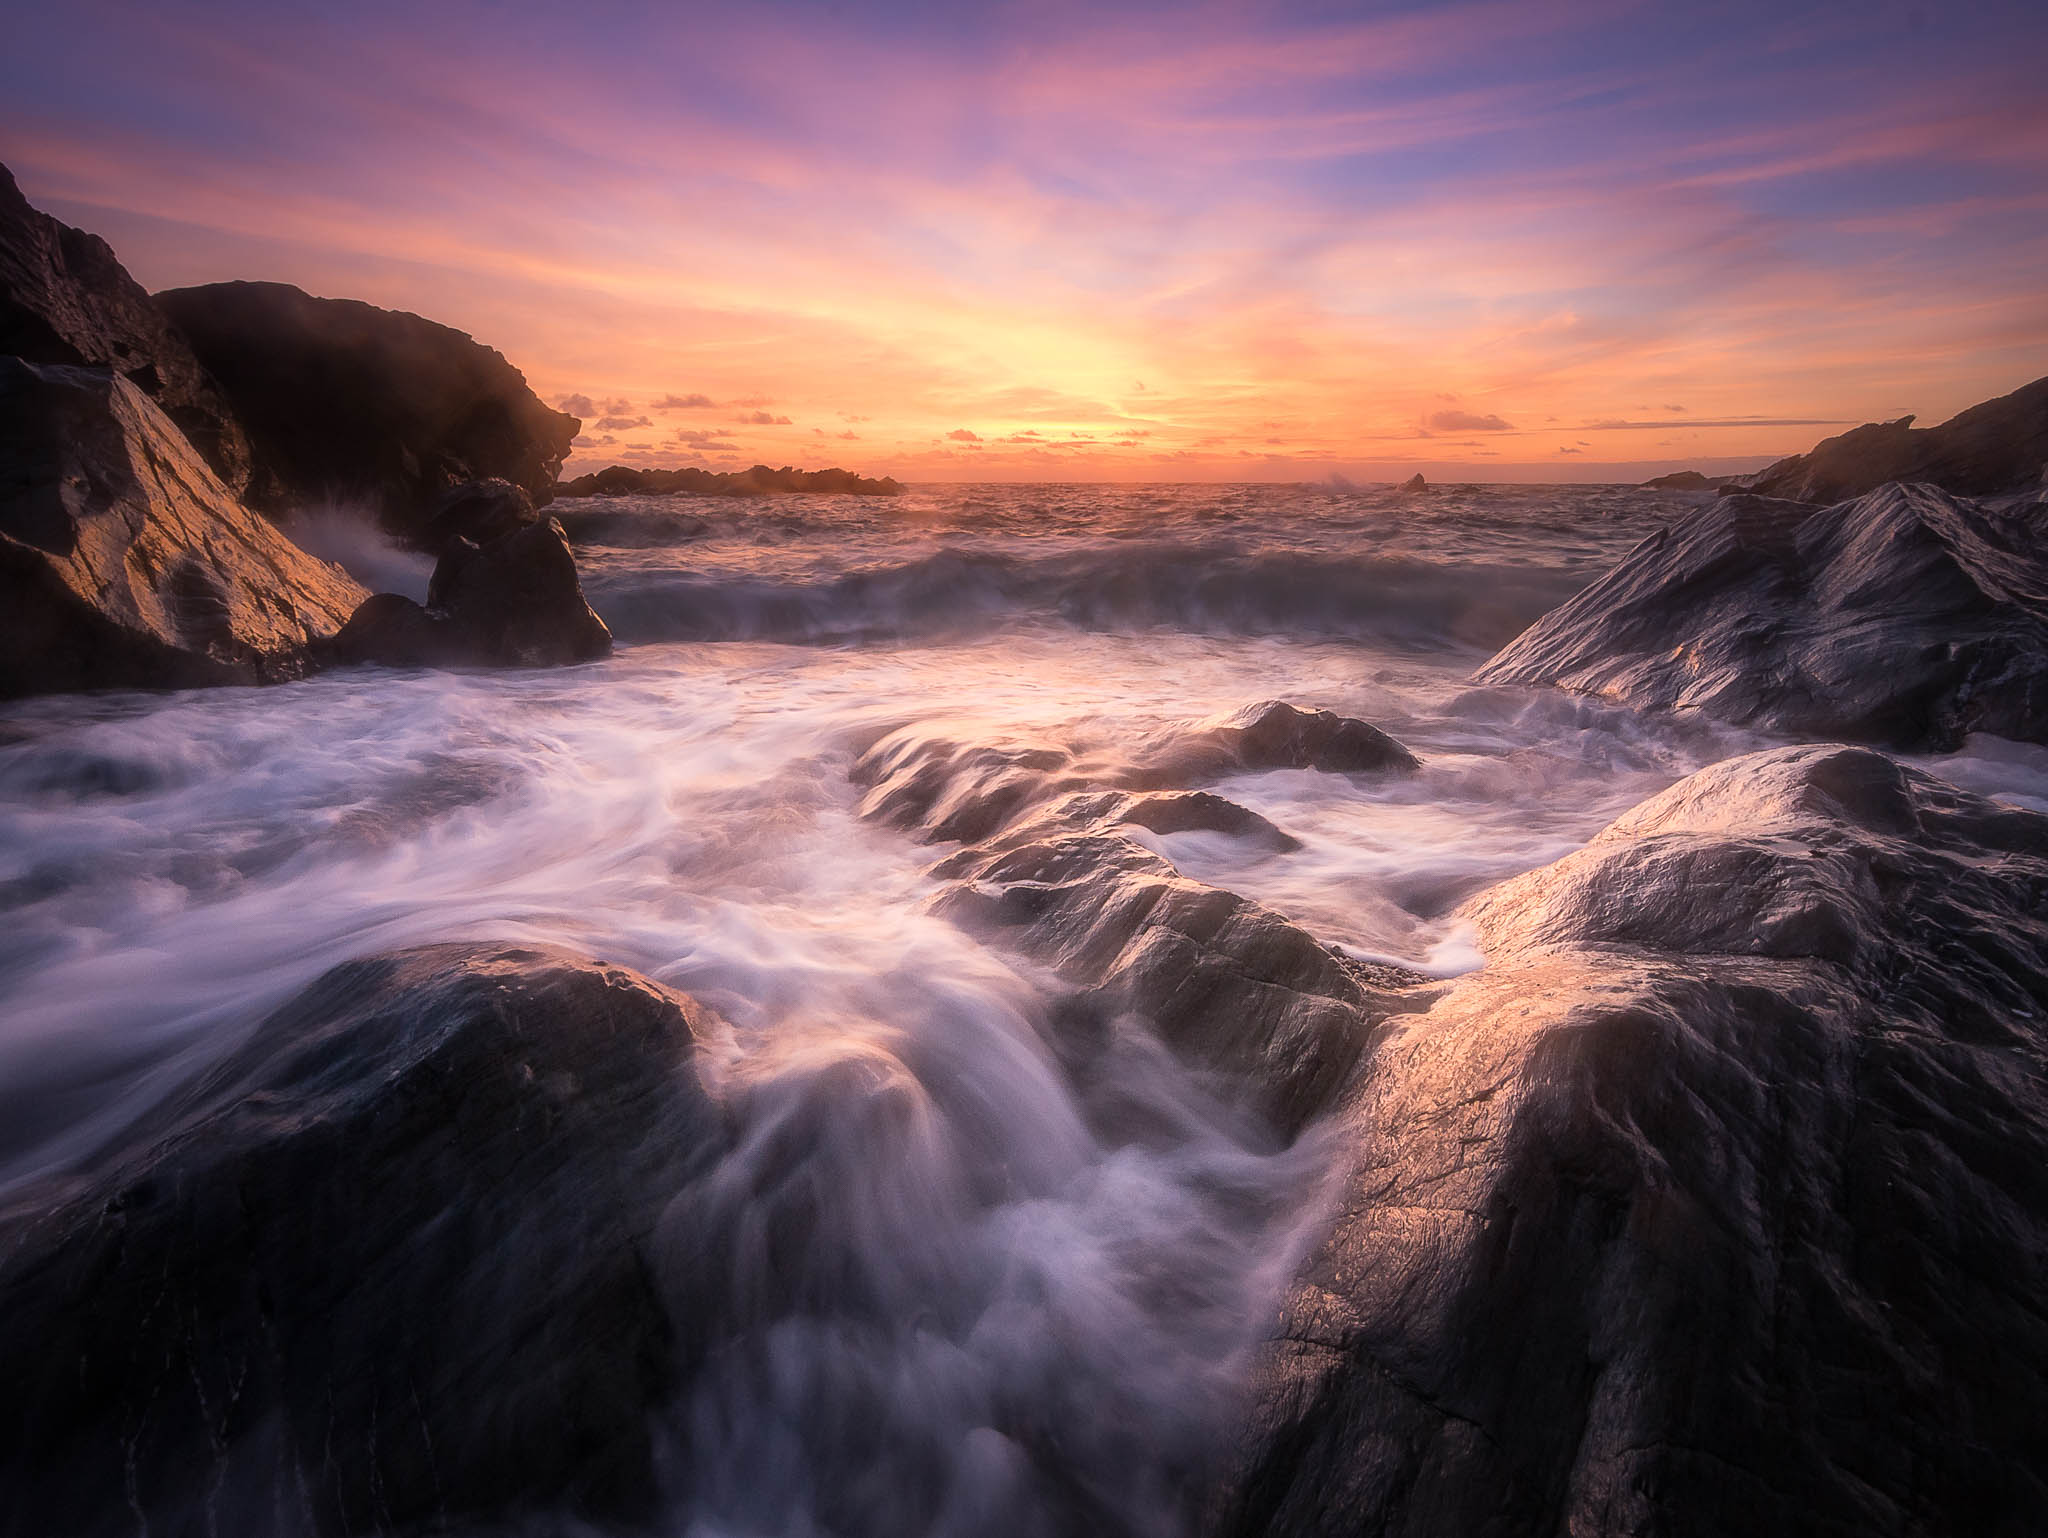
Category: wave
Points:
column 1207, row 589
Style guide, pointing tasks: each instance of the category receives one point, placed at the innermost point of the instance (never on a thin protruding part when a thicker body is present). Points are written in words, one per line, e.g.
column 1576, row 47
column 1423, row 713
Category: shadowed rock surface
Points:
column 1688, row 480
column 516, row 602
column 126, row 563
column 1907, row 618
column 1050, row 871
column 757, row 481
column 478, row 511
column 1998, row 446
column 1718, row 1203
column 344, row 401
column 385, row 1269
column 65, row 298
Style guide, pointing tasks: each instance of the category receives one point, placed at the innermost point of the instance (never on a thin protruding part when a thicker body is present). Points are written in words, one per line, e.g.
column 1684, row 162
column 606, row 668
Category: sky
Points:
column 1497, row 241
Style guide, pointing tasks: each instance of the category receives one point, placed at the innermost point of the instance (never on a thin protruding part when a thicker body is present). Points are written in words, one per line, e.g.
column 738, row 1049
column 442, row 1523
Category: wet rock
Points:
column 126, row 563
column 1998, row 446
column 384, row 1269
column 1415, row 483
column 1907, row 618
column 1716, row 1203
column 1269, row 735
column 516, row 602
column 1049, row 871
column 478, row 511
column 344, row 401
column 65, row 299
column 1687, row 480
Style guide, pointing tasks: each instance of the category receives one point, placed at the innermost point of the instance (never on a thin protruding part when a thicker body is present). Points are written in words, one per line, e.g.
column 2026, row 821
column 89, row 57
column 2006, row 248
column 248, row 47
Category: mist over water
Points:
column 1017, row 1303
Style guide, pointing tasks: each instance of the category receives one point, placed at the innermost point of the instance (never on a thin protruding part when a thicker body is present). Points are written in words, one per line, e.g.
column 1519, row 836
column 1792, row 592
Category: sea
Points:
column 1025, row 1304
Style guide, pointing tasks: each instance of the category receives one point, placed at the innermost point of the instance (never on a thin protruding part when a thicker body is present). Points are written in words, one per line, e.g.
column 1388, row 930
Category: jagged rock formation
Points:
column 759, row 481
column 126, row 563
column 1415, row 483
column 384, row 1269
column 514, row 602
column 1998, row 446
column 1050, row 871
column 1907, row 618
column 342, row 400
column 1717, row 1203
column 64, row 298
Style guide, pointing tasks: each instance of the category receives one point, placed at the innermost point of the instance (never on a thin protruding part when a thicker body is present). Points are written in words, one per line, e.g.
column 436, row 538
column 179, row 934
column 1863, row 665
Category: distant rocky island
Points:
column 759, row 481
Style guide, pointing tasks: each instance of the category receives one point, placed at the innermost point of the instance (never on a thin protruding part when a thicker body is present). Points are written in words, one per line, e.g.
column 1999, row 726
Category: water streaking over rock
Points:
column 924, row 1210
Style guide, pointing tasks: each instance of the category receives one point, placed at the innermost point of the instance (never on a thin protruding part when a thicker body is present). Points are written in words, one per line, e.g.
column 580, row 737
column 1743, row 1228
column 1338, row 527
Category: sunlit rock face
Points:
column 384, row 1269
column 124, row 561
column 514, row 602
column 344, row 401
column 1050, row 870
column 1998, row 446
column 1714, row 1204
column 64, row 298
column 1907, row 618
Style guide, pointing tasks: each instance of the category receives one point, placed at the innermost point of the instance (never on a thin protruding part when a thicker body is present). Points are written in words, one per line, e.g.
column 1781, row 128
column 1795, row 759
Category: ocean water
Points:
column 1058, row 1319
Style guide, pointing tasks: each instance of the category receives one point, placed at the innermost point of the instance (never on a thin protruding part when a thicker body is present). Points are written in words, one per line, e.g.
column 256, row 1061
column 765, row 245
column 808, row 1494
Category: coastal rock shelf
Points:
column 1717, row 1203
column 1906, row 618
column 125, row 563
column 384, row 1269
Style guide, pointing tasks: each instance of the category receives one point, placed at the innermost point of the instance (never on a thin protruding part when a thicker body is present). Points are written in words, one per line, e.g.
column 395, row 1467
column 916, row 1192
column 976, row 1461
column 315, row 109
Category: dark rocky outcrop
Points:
column 1907, row 618
column 1687, row 480
column 758, row 481
column 342, row 400
column 64, row 298
column 1414, row 483
column 1049, row 870
column 126, row 563
column 1996, row 447
column 515, row 602
column 478, row 511
column 1717, row 1203
column 387, row 1268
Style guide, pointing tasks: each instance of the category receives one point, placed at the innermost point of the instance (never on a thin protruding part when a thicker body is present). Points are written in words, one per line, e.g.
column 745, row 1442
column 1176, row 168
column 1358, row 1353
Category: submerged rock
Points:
column 1998, row 446
column 65, row 298
column 1907, row 618
column 515, row 602
column 126, row 563
column 1050, row 870
column 757, row 481
column 1717, row 1203
column 342, row 400
column 384, row 1269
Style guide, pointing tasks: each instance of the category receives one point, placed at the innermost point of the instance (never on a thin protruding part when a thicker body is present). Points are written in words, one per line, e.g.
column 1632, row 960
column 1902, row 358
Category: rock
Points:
column 1687, row 480
column 478, row 511
column 1414, row 483
column 1907, row 618
column 1269, row 735
column 1049, row 871
column 342, row 400
column 1716, row 1203
column 64, row 298
column 1998, row 446
column 515, row 602
column 759, row 481
column 125, row 562
column 384, row 1269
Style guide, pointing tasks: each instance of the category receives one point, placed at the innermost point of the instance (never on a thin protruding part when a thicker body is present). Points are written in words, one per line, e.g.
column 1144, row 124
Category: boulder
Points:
column 1716, row 1203
column 64, row 298
column 345, row 401
column 1906, row 618
column 124, row 560
column 1998, row 446
column 1415, row 483
column 387, row 1268
column 478, row 511
column 515, row 602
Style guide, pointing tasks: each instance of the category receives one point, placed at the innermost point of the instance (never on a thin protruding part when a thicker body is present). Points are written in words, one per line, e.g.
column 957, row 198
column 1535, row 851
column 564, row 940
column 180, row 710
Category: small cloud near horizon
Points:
column 686, row 403
column 1469, row 422
column 964, row 435
column 621, row 424
column 576, row 405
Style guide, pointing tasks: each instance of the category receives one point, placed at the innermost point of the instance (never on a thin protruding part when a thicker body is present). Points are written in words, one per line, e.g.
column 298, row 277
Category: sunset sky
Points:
column 1502, row 241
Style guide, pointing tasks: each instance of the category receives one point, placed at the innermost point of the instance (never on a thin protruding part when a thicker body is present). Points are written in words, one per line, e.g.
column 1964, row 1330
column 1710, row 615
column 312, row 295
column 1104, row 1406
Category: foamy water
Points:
column 1016, row 1315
